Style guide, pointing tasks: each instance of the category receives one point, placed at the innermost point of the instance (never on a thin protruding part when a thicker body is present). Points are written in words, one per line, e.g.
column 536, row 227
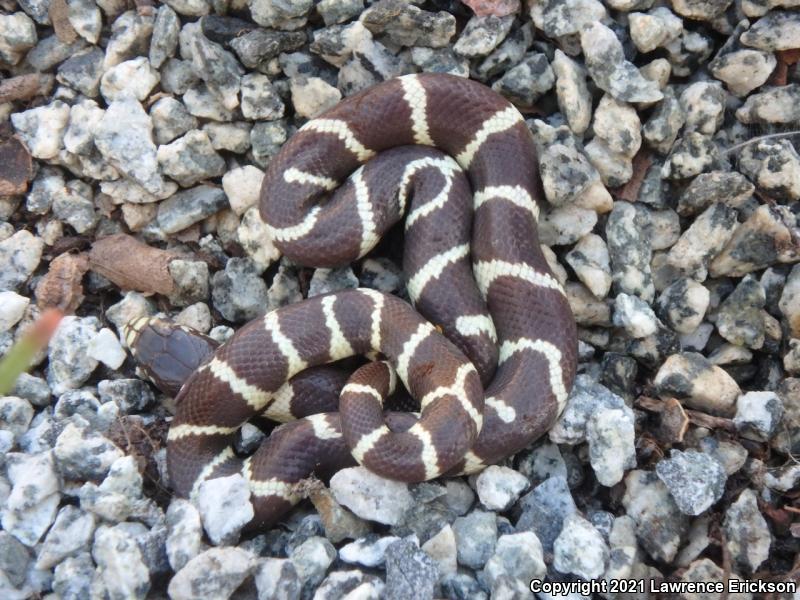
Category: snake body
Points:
column 461, row 160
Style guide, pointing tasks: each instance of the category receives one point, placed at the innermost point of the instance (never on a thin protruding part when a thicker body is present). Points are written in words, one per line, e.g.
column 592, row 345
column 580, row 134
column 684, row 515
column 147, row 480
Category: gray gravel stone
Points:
column 691, row 155
column 82, row 71
column 605, row 61
column 17, row 36
column 311, row 559
column 701, row 385
column 772, row 105
column 630, row 250
column 662, row 128
column 730, row 188
column 82, row 454
column 518, row 556
column 476, row 535
column 370, row 496
column 408, row 25
column 778, row 30
column 695, row 480
column 31, row 505
column 747, row 535
column 184, row 533
column 682, row 305
column 758, row 415
column 276, row 578
column 165, row 36
column 526, row 82
column 70, row 535
column 239, row 293
column 740, row 319
column 170, row 120
column 217, row 572
column 224, row 505
column 325, row 281
column 340, row 584
column 704, row 104
column 660, row 526
column 499, row 487
column 574, row 100
column 190, row 206
column 580, row 549
column 702, row 241
column 482, row 35
column 544, row 510
column 410, row 572
column 743, row 70
column 190, row 159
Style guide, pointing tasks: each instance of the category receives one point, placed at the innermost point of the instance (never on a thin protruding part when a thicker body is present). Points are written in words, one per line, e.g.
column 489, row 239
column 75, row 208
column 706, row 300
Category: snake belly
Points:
column 493, row 358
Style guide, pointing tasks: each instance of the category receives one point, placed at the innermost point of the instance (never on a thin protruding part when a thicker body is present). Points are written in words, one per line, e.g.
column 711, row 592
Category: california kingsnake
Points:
column 447, row 147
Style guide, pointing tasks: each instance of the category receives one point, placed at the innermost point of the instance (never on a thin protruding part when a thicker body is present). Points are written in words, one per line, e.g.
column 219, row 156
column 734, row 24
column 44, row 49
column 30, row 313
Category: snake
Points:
column 486, row 347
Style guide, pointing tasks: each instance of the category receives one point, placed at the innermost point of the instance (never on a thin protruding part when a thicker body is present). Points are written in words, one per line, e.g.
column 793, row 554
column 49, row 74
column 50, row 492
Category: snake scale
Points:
column 488, row 350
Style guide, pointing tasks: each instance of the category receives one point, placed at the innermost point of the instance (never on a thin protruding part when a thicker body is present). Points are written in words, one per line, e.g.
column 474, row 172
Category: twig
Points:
column 761, row 138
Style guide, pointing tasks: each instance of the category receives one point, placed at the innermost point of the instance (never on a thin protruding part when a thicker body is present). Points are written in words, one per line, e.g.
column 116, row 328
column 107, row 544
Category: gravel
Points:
column 670, row 178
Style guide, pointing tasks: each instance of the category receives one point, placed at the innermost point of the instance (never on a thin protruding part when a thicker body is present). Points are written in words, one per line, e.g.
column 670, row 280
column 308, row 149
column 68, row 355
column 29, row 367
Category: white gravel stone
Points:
column 42, row 128
column 277, row 579
column 256, row 240
column 696, row 480
column 313, row 95
column 105, row 348
column 69, row 363
column 758, row 415
column 120, row 564
column 518, row 556
column 15, row 415
column 190, row 159
column 225, row 507
column 369, row 551
column 33, row 501
column 184, row 533
column 371, row 496
column 580, row 549
column 216, row 573
column 654, row 29
column 311, row 559
column 611, row 437
column 747, row 535
column 133, row 77
column 635, row 316
column 124, row 137
column 499, row 487
column 20, row 254
column 71, row 534
column 84, row 454
column 442, row 549
column 242, row 185
column 574, row 99
column 17, row 36
column 701, row 385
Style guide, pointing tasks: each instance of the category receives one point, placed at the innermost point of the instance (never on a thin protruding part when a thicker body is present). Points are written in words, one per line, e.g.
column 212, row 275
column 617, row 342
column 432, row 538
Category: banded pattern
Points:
column 474, row 269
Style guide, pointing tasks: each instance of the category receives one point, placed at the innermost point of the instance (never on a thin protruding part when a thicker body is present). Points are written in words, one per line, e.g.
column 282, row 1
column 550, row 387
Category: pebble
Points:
column 190, row 159
column 774, row 105
column 367, row 551
column 758, row 415
column 217, row 67
column 499, row 487
column 82, row 454
column 566, row 225
column 701, row 385
column 739, row 318
column 276, row 578
column 215, row 573
column 704, row 104
column 73, row 577
column 120, row 564
column 255, row 238
column 410, row 572
column 610, row 434
column 370, row 496
column 225, row 508
column 789, row 302
column 311, row 559
column 133, row 77
column 683, row 304
column 635, row 316
column 166, row 28
column 170, row 120
column 665, row 123
column 660, row 526
column 31, row 505
column 260, row 100
column 778, row 30
column 731, row 455
column 654, row 29
column 476, row 535
column 130, row 395
column 483, row 34
column 340, row 584
column 312, row 96
column 234, row 137
column 14, row 559
column 70, row 534
column 743, row 70
column 703, row 241
column 82, row 71
column 239, row 293
column 762, row 240
column 527, row 81
column 443, row 550
column 184, row 533
column 20, row 255
column 15, row 415
column 590, row 260
column 124, row 138
column 188, row 207
column 580, row 549
column 17, row 36
column 517, row 556
column 747, row 535
column 544, row 510
column 34, row 389
column 325, row 281
column 69, row 364
column 574, row 100
column 339, row 11
column 784, row 479
column 691, row 155
column 696, row 480
column 630, row 250
column 774, row 166
column 104, row 347
column 605, row 61
column 730, row 188
column 687, row 52
column 42, row 128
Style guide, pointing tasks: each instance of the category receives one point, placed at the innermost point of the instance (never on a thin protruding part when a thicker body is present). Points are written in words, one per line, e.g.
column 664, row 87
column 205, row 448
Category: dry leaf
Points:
column 630, row 191
column 132, row 265
column 786, row 58
column 61, row 286
column 59, row 15
column 498, row 8
column 16, row 168
column 674, row 422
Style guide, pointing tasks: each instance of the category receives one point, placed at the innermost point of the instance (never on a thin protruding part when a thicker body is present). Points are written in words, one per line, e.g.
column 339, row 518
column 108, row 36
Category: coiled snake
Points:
column 461, row 158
